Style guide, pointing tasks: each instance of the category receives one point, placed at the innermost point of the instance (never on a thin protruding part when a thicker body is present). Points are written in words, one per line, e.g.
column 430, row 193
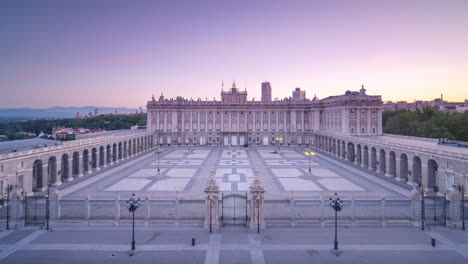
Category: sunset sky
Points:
column 119, row 53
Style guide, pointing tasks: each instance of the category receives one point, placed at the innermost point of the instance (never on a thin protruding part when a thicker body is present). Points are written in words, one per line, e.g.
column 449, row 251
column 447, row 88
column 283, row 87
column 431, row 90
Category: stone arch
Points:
column 108, row 154
column 359, row 154
column 85, row 161
column 373, row 159
column 38, row 176
column 382, row 161
column 392, row 164
column 120, row 151
column 76, row 164
column 366, row 157
column 432, row 173
column 403, row 167
column 52, row 170
column 134, row 147
column 114, row 152
column 350, row 152
column 94, row 159
column 416, row 171
column 343, row 149
column 101, row 156
column 65, row 170
column 338, row 148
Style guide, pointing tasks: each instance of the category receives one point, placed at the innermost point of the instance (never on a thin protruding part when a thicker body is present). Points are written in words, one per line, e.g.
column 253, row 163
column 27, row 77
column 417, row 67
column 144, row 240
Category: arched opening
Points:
column 52, row 170
column 338, row 149
column 350, row 152
column 392, row 164
column 120, row 151
column 403, row 167
column 416, row 173
column 65, row 170
column 85, row 161
column 334, row 147
column 134, row 146
column 432, row 174
column 114, row 152
column 366, row 157
column 359, row 154
column 125, row 151
column 94, row 158
column 373, row 163
column 343, row 149
column 108, row 154
column 382, row 161
column 76, row 164
column 38, row 180
column 101, row 157
column 130, row 151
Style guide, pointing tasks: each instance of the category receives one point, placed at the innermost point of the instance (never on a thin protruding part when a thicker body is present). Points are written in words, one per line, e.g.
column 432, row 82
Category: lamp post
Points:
column 309, row 153
column 46, row 195
column 210, row 200
column 279, row 139
column 132, row 205
column 258, row 197
column 158, row 152
column 423, row 209
column 337, row 204
column 8, row 190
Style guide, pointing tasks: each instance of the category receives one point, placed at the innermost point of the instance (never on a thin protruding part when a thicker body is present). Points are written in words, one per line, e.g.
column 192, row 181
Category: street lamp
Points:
column 132, row 205
column 46, row 195
column 423, row 209
column 158, row 152
column 309, row 153
column 337, row 204
column 279, row 139
column 258, row 197
column 210, row 200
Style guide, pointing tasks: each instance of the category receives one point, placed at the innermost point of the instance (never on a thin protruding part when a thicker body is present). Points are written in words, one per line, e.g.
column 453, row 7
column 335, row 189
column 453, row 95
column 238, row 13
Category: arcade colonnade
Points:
column 435, row 172
column 35, row 169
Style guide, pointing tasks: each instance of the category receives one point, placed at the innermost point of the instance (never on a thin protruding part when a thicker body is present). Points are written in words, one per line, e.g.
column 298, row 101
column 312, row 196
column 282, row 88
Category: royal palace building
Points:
column 236, row 121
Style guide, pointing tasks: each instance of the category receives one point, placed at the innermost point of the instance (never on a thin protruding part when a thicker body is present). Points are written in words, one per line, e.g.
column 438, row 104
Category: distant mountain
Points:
column 57, row 112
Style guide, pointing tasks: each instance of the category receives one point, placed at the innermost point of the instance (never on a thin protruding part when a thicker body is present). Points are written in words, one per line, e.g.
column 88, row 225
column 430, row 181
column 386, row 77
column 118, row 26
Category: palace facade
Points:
column 236, row 121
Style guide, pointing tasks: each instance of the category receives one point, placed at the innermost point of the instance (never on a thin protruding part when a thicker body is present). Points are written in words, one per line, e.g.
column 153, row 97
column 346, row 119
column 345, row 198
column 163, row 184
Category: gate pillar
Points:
column 454, row 195
column 212, row 204
column 257, row 202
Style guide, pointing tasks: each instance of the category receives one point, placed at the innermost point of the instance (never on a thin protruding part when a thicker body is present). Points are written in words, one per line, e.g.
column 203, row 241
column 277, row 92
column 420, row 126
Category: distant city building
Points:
column 437, row 104
column 266, row 92
column 298, row 95
column 63, row 132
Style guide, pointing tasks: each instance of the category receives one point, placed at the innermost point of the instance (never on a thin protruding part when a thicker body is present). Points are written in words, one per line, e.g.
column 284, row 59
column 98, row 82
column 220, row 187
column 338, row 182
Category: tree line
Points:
column 105, row 122
column 426, row 123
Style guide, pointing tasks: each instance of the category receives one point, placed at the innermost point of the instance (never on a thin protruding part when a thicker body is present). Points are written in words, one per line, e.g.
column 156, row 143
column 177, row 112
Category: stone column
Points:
column 454, row 195
column 257, row 202
column 425, row 176
column 377, row 161
column 398, row 169
column 212, row 204
column 415, row 197
column 410, row 173
column 387, row 167
column 363, row 153
column 54, row 206
column 105, row 155
column 16, row 206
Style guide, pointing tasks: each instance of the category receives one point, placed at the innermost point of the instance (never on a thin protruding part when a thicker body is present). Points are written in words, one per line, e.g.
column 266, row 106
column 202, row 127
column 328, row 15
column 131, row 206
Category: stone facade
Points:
column 235, row 121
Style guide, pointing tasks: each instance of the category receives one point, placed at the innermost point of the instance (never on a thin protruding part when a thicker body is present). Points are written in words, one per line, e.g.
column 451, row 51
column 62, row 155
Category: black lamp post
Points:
column 132, row 205
column 158, row 152
column 337, row 204
column 258, row 197
column 46, row 194
column 423, row 209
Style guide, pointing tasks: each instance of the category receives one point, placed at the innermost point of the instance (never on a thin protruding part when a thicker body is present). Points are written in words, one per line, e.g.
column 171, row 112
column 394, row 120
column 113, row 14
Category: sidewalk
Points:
column 233, row 245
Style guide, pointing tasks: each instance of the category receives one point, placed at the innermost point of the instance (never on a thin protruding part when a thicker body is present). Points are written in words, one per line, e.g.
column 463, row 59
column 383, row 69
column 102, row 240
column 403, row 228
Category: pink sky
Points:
column 110, row 53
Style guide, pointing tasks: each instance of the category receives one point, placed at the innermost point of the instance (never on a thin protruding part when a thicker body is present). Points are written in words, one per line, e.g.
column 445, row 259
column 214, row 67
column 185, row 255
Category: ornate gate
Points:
column 34, row 210
column 435, row 209
column 234, row 209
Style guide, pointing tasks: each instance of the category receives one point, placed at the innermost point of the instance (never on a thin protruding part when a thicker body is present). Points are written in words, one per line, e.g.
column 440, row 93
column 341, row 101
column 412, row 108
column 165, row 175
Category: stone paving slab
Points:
column 15, row 236
column 120, row 237
column 363, row 257
column 234, row 257
column 104, row 257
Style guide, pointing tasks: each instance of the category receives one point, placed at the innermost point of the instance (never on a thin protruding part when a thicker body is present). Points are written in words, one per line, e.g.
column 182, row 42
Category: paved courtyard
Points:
column 186, row 171
column 239, row 245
